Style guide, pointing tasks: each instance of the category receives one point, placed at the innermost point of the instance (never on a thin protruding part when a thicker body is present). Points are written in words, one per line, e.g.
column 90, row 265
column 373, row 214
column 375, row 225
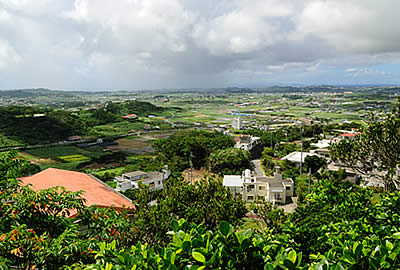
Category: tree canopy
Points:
column 229, row 161
column 375, row 151
column 190, row 145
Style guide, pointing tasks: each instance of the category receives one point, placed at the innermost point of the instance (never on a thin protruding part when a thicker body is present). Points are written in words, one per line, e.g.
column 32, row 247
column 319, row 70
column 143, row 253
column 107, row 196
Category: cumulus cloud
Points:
column 92, row 44
column 8, row 56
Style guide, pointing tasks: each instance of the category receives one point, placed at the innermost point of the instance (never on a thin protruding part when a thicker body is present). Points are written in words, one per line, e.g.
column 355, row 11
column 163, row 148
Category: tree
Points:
column 229, row 161
column 207, row 202
column 375, row 150
column 268, row 165
column 314, row 163
column 196, row 145
column 273, row 217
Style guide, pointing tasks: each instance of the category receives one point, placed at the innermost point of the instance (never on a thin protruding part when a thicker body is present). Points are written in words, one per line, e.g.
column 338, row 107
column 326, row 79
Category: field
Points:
column 74, row 158
column 126, row 144
column 61, row 157
column 55, row 151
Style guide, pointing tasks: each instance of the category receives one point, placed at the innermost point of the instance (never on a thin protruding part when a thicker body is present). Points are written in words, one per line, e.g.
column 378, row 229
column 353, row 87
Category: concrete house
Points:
column 247, row 142
column 155, row 180
column 252, row 187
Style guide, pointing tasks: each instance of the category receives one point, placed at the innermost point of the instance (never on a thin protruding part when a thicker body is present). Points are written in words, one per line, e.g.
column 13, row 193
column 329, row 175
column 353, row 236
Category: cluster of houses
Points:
column 249, row 186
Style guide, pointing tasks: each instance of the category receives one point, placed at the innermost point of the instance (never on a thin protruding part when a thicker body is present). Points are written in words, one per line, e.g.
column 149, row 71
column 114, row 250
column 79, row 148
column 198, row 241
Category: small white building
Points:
column 154, row 180
column 322, row 144
column 237, row 123
column 298, row 157
column 247, row 142
column 234, row 183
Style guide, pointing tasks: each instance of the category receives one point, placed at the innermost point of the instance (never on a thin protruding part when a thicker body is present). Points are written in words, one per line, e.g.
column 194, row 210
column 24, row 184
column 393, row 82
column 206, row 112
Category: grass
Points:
column 74, row 158
column 63, row 166
column 55, row 151
column 62, row 151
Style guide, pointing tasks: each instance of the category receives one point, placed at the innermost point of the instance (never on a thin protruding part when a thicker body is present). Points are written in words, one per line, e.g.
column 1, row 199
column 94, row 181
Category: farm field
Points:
column 61, row 157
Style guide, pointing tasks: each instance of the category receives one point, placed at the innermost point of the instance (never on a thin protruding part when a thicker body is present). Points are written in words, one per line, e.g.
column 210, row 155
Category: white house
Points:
column 253, row 187
column 155, row 180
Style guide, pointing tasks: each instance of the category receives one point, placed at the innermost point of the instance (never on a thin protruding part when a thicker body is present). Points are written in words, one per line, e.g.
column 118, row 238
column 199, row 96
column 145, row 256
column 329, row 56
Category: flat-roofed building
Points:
column 234, row 183
column 154, row 180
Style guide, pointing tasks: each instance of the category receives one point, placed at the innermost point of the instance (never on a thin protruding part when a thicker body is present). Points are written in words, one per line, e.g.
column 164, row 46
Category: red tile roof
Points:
column 96, row 192
column 130, row 116
column 348, row 134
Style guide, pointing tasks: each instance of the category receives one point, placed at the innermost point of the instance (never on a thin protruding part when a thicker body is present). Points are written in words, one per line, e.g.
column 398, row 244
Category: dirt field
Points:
column 197, row 174
column 125, row 144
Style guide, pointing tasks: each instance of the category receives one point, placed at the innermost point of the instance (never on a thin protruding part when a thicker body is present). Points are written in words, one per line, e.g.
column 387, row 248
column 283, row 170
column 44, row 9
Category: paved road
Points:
column 257, row 167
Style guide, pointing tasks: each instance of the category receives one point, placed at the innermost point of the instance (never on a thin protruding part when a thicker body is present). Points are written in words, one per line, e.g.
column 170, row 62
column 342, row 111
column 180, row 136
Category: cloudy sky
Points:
column 148, row 44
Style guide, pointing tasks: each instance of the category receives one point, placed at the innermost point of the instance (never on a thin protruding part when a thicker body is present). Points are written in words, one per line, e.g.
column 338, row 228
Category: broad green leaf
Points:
column 172, row 267
column 389, row 245
column 268, row 266
column 198, row 257
column 225, row 228
column 175, row 225
column 292, row 256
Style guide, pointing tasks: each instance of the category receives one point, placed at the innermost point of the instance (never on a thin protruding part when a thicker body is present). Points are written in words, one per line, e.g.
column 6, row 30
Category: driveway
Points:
column 257, row 167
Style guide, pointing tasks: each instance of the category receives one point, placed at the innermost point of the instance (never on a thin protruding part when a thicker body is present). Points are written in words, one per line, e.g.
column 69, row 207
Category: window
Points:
column 250, row 198
column 277, row 196
column 159, row 182
column 260, row 187
column 287, row 187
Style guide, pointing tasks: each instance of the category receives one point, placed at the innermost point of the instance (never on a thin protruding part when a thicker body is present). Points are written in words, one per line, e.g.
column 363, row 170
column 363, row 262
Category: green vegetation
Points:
column 196, row 145
column 206, row 202
column 26, row 129
column 229, row 161
column 20, row 126
column 375, row 151
column 201, row 226
column 55, row 151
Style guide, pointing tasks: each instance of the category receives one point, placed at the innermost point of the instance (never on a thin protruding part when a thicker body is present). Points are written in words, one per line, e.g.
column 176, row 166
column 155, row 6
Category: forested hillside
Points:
column 21, row 125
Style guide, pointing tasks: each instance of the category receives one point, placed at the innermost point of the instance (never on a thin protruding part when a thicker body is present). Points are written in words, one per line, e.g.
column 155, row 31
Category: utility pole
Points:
column 301, row 151
column 191, row 168
column 309, row 179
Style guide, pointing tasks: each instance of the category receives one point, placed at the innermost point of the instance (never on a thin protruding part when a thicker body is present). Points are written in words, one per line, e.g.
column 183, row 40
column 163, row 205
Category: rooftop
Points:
column 95, row 192
column 297, row 156
column 135, row 173
column 232, row 180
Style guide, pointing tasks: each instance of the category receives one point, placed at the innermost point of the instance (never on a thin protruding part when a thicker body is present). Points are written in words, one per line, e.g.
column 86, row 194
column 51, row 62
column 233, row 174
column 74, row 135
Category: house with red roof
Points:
column 130, row 116
column 348, row 135
column 96, row 193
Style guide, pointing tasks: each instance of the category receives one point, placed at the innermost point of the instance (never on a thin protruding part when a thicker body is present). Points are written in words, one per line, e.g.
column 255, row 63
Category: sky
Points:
column 159, row 44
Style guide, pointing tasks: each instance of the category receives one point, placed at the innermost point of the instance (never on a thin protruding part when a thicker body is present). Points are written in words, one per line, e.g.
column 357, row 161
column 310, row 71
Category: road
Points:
column 257, row 167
